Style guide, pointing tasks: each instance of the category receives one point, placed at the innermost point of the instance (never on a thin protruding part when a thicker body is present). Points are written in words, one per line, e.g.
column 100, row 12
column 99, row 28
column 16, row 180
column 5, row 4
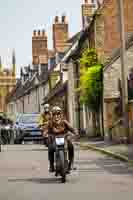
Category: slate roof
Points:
column 60, row 87
column 13, row 93
column 74, row 38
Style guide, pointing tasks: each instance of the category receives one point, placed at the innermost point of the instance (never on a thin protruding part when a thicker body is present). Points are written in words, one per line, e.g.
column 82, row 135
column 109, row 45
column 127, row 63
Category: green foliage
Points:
column 89, row 58
column 91, row 80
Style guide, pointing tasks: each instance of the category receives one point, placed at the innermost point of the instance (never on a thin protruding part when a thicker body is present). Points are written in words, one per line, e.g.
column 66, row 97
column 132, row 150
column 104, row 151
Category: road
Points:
column 24, row 176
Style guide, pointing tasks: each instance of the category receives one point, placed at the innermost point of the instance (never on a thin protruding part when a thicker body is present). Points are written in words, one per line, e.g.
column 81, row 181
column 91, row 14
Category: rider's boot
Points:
column 70, row 156
column 69, row 167
column 51, row 168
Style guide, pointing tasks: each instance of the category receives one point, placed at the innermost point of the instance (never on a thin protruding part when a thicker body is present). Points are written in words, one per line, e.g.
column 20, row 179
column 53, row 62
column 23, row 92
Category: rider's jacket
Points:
column 61, row 128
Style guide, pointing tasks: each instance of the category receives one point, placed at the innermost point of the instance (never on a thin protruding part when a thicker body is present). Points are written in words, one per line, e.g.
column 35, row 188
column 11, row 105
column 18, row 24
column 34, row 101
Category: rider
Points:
column 43, row 120
column 60, row 126
column 45, row 116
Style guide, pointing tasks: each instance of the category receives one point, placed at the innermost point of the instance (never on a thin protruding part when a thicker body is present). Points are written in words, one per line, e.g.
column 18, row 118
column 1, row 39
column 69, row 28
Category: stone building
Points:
column 105, row 37
column 112, row 93
column 7, row 83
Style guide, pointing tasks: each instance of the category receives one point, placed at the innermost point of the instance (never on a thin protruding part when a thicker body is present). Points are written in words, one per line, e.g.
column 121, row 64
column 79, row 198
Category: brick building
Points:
column 110, row 15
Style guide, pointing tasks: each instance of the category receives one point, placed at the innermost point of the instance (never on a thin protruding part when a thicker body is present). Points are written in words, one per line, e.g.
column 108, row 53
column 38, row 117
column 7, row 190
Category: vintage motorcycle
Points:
column 61, row 153
column 61, row 159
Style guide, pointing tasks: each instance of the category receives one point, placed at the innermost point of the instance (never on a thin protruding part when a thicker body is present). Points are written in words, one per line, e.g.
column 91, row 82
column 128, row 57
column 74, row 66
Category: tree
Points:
column 91, row 84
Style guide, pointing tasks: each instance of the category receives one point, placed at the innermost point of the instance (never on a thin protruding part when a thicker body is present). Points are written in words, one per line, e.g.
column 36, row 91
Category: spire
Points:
column 13, row 63
column 0, row 65
column 21, row 72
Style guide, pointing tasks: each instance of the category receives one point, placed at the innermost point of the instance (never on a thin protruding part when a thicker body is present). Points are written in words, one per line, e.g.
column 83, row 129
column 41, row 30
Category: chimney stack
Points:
column 88, row 8
column 60, row 34
column 39, row 47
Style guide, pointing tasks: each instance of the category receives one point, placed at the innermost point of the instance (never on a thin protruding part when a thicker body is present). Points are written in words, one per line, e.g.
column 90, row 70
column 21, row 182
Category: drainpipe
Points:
column 77, row 73
column 120, row 5
column 38, row 94
column 71, row 105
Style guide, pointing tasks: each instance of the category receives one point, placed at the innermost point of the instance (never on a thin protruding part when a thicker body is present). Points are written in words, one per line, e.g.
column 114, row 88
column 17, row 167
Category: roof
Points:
column 55, row 91
column 74, row 38
column 74, row 50
column 21, row 90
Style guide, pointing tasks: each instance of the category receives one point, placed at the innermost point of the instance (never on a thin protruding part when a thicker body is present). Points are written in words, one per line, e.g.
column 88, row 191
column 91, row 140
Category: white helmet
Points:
column 56, row 109
column 46, row 108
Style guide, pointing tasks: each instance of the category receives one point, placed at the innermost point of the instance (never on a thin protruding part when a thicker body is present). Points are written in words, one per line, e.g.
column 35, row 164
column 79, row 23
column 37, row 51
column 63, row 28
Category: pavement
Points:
column 24, row 176
column 123, row 152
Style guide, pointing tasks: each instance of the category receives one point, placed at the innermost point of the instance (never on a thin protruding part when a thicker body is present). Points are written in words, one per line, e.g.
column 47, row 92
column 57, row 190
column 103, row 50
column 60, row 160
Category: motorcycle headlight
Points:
column 7, row 127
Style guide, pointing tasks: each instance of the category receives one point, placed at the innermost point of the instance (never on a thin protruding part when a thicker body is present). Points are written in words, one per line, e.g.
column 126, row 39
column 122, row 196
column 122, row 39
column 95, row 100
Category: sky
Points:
column 18, row 19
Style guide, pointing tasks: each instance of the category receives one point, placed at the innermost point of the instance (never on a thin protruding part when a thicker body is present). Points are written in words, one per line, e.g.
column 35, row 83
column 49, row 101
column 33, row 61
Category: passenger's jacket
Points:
column 43, row 119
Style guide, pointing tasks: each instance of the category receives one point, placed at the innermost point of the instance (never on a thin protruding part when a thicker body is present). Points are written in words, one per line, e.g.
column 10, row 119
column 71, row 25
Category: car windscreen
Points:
column 29, row 119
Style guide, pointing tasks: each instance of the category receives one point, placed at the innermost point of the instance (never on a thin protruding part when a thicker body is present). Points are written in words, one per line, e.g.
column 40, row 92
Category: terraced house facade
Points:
column 54, row 76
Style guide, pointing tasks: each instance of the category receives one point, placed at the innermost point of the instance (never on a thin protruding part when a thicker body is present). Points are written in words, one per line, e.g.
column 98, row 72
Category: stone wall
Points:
column 112, row 74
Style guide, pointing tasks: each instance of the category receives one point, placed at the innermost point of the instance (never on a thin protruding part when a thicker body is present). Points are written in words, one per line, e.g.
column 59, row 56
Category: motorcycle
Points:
column 61, row 161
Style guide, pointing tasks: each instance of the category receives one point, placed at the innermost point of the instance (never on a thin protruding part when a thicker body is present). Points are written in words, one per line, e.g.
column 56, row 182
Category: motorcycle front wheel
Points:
column 62, row 166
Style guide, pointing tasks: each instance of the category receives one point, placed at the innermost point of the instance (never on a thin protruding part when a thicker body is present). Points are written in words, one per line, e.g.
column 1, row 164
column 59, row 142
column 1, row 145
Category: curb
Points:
column 109, row 153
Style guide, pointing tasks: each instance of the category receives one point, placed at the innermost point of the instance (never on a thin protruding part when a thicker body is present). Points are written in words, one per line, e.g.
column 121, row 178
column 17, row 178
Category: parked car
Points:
column 26, row 128
column 6, row 130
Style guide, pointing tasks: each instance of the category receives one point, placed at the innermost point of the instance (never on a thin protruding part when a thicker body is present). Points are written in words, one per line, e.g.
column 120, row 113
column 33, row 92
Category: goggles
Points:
column 56, row 113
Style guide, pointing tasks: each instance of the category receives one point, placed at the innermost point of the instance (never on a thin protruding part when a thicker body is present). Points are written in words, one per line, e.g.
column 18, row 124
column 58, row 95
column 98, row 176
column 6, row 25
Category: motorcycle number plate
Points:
column 59, row 141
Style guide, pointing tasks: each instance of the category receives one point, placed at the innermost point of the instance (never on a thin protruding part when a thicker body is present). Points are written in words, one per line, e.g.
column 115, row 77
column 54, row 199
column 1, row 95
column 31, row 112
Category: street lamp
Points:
column 123, row 67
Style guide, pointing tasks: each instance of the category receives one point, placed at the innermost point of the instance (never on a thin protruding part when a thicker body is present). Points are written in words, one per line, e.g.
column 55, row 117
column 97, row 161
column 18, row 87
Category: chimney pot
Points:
column 63, row 18
column 56, row 19
column 43, row 32
column 39, row 32
column 34, row 33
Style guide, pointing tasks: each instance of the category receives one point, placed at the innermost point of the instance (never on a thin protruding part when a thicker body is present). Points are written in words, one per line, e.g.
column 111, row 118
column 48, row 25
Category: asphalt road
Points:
column 24, row 176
